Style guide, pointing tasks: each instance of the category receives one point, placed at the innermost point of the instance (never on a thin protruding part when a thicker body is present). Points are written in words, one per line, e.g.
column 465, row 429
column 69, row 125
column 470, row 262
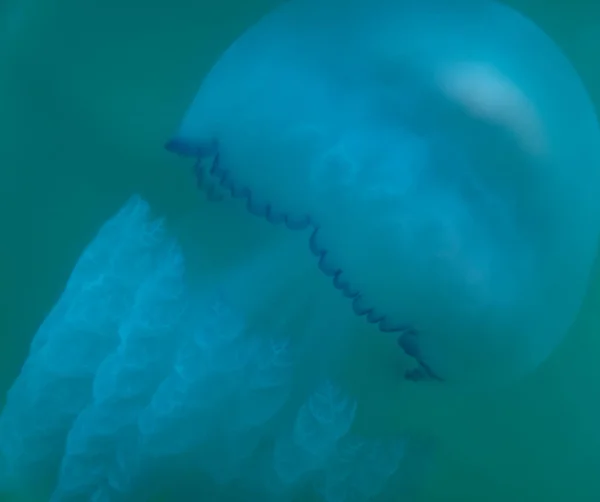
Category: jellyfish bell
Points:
column 439, row 159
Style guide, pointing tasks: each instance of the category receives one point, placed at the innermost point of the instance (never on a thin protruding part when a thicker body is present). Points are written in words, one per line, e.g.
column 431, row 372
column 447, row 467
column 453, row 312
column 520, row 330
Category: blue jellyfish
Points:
column 439, row 160
column 419, row 201
column 135, row 385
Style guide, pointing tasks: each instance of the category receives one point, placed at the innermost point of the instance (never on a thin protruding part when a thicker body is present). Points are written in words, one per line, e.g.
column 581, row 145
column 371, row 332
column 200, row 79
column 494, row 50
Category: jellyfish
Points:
column 436, row 162
column 135, row 386
column 408, row 197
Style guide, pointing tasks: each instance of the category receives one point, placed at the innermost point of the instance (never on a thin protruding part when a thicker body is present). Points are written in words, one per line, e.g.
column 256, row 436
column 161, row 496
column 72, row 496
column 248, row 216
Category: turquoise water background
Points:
column 89, row 91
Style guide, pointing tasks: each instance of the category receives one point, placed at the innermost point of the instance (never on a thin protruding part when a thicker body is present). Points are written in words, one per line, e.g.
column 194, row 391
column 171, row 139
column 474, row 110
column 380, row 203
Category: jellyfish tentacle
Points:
column 409, row 342
column 188, row 149
column 206, row 184
column 216, row 180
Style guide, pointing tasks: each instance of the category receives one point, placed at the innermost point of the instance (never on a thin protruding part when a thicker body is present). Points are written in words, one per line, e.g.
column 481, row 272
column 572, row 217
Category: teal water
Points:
column 88, row 93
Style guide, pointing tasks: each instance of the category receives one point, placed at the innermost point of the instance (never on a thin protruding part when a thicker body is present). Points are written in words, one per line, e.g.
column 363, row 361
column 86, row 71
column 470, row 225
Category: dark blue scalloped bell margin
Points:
column 217, row 182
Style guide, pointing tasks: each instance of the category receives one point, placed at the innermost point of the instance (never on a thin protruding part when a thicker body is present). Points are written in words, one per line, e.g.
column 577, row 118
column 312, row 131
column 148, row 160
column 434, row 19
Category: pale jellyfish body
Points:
column 420, row 171
column 440, row 159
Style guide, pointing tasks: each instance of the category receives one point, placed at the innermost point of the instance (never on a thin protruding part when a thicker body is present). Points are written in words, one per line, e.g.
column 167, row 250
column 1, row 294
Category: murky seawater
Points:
column 89, row 91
